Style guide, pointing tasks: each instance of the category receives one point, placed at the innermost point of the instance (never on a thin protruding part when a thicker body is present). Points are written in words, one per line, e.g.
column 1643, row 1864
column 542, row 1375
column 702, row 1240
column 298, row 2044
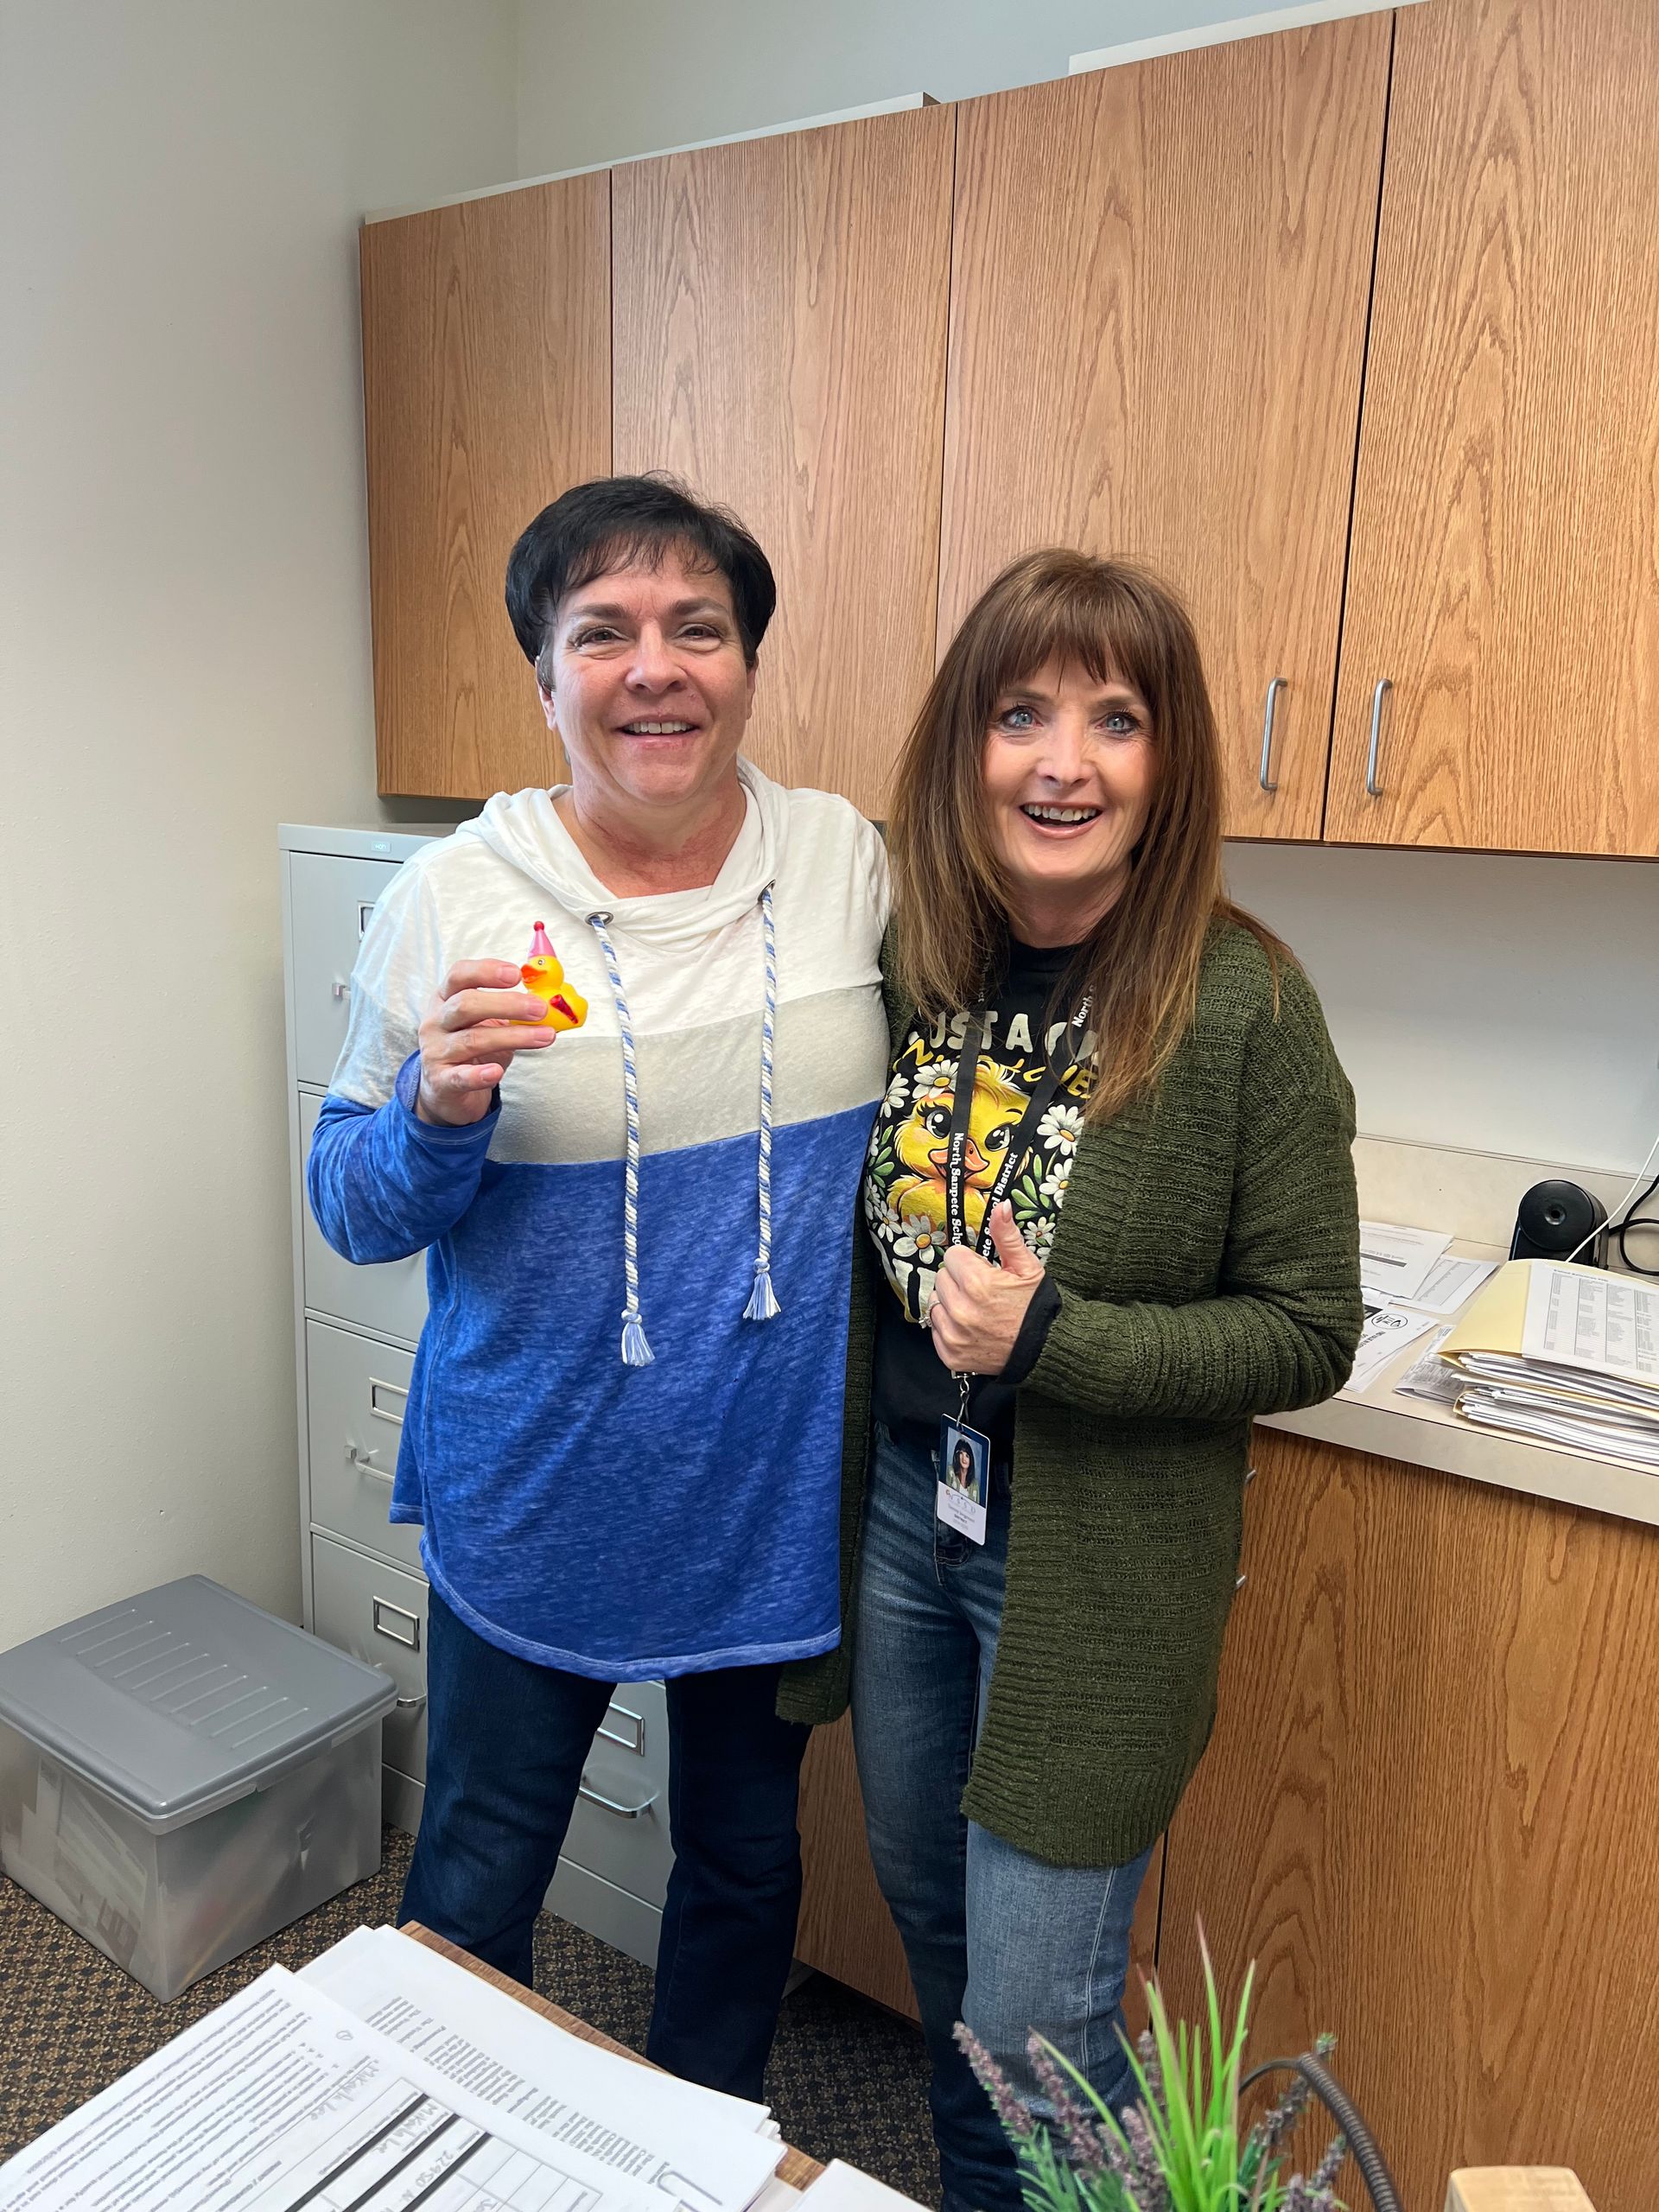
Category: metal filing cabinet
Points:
column 355, row 1331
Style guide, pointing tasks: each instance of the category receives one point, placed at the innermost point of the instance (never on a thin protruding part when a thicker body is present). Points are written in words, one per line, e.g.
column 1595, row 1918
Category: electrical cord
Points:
column 1634, row 1219
column 1385, row 2196
column 1630, row 1217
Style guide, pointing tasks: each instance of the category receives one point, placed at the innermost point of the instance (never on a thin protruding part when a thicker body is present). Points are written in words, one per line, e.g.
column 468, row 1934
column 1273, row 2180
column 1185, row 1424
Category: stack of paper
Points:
column 1566, row 1355
column 682, row 2144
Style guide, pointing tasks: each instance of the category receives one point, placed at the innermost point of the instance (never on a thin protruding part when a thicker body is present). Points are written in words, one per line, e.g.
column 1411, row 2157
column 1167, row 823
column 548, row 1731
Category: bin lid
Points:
column 185, row 1698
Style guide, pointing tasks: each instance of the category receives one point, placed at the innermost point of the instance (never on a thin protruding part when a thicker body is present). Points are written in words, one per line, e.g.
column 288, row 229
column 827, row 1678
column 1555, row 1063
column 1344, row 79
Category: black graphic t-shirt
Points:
column 904, row 1186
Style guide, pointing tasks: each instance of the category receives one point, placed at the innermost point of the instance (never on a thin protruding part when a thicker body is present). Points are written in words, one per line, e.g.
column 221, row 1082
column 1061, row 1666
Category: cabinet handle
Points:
column 1242, row 1580
column 1250, row 1474
column 1269, row 715
column 634, row 1740
column 365, row 909
column 409, row 1704
column 342, row 987
column 1373, row 789
column 610, row 1804
column 377, row 1411
column 364, row 1462
column 412, row 1641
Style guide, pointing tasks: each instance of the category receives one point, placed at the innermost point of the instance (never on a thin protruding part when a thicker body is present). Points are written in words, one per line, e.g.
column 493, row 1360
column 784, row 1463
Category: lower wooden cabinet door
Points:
column 1430, row 1815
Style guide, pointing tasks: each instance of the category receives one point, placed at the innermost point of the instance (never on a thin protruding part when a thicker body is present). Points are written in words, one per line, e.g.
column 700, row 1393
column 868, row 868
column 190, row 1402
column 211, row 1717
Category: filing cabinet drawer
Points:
column 619, row 1827
column 379, row 1615
column 330, row 900
column 355, row 1391
column 391, row 1298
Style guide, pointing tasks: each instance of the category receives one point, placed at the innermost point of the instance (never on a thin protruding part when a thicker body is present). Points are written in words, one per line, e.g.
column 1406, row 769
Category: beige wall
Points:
column 184, row 649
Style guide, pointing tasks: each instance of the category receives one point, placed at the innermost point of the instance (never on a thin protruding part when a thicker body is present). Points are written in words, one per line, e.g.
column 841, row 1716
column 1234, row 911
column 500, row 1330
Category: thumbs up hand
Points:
column 977, row 1309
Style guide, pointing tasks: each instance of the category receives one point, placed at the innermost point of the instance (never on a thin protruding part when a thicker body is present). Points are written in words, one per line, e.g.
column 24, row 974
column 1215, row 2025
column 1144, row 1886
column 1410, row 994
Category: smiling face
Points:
column 643, row 680
column 1069, row 769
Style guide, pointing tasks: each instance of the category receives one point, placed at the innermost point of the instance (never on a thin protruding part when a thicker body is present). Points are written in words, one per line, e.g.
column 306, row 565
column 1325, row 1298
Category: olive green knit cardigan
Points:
column 1207, row 1259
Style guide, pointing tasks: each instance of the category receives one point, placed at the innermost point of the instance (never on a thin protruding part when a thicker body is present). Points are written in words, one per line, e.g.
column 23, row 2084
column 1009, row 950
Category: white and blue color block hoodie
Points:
column 624, row 1520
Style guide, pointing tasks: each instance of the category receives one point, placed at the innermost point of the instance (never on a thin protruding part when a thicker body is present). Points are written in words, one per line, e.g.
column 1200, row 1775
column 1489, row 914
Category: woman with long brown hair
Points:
column 1111, row 1198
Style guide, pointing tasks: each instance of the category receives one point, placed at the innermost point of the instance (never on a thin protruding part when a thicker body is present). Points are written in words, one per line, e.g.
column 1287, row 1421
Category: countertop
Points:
column 1469, row 1193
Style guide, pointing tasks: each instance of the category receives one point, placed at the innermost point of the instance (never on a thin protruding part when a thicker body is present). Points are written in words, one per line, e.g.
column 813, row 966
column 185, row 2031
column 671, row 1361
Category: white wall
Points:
column 184, row 640
column 599, row 78
column 1480, row 1000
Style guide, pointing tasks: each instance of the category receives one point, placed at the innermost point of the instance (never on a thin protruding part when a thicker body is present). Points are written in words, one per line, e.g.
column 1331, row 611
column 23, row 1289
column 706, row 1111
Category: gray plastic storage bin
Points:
column 182, row 1775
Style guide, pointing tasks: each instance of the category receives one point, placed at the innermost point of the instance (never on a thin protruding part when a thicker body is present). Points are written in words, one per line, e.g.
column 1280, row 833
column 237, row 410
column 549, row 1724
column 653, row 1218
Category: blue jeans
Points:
column 993, row 1937
column 507, row 1740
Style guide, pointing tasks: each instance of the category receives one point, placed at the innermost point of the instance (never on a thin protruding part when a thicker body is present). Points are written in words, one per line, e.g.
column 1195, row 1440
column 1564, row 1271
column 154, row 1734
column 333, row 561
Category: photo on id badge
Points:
column 965, row 1486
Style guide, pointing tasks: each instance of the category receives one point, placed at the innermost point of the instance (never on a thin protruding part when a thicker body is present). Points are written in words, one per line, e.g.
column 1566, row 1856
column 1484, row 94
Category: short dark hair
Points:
column 625, row 521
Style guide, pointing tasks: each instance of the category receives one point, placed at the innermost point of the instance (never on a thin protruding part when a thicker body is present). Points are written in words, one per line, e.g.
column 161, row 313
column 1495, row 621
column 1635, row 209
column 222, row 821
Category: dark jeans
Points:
column 507, row 1740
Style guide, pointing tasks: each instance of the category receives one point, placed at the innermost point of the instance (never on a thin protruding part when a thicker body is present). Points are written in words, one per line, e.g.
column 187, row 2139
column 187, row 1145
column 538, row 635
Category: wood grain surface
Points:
column 487, row 393
column 1505, row 570
column 779, row 344
column 1157, row 327
column 796, row 2168
column 846, row 1929
column 1429, row 1814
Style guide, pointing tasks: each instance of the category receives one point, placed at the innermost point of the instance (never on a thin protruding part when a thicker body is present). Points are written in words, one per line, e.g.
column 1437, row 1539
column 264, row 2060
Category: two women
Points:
column 1110, row 1196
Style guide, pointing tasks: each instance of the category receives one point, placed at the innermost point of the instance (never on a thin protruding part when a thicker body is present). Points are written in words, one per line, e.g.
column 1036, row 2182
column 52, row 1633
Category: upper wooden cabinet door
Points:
column 1157, row 333
column 486, row 365
column 1505, row 568
column 779, row 344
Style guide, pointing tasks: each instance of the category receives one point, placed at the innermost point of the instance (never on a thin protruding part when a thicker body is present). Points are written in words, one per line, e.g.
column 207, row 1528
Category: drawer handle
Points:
column 342, row 987
column 610, row 1805
column 412, row 1641
column 378, row 1407
column 1270, row 716
column 632, row 1738
column 365, row 909
column 1242, row 1580
column 1250, row 1474
column 364, row 1462
column 411, row 1705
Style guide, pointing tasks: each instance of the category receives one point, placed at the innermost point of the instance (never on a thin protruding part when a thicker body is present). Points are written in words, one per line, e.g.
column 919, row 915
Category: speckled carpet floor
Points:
column 847, row 2078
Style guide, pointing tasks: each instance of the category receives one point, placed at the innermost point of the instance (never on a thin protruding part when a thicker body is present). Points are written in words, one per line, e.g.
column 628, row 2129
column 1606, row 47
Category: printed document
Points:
column 281, row 2099
column 1396, row 1262
column 1451, row 1283
column 677, row 2143
column 1387, row 1330
column 1607, row 1324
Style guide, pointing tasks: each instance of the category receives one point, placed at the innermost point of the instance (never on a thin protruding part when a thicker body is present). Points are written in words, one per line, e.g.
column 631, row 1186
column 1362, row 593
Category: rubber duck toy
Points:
column 542, row 974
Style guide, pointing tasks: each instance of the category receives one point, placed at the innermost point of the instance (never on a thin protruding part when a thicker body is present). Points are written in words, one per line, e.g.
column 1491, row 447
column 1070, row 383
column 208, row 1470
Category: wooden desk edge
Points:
column 795, row 2167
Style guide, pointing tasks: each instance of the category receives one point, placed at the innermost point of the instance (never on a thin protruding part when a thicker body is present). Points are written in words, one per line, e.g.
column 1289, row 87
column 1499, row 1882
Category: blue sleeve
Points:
column 383, row 1183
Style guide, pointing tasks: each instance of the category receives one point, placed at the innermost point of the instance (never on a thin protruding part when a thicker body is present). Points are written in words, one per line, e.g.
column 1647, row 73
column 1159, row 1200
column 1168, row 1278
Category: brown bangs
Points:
column 1140, row 967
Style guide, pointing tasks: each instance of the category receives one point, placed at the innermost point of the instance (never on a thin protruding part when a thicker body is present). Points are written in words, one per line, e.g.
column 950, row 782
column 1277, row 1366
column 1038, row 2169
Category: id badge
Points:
column 964, row 1484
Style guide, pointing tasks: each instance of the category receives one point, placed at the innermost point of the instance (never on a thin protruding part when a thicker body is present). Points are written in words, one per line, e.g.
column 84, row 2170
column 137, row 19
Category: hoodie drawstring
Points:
column 763, row 1303
column 636, row 1352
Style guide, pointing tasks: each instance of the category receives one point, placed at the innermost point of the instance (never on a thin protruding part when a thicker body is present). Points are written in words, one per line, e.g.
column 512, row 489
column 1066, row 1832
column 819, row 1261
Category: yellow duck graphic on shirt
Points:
column 922, row 1146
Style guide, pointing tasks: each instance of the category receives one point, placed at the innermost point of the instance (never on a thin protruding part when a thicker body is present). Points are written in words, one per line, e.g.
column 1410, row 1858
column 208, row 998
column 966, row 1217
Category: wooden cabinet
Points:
column 1505, row 570
column 779, row 344
column 1157, row 333
column 487, row 393
column 1429, row 1814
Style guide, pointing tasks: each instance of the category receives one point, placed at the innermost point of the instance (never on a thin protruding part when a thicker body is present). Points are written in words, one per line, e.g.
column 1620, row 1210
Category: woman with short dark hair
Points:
column 623, row 1437
column 1110, row 1196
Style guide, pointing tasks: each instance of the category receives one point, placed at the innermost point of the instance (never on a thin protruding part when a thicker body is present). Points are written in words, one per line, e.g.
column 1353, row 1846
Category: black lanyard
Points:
column 1055, row 1077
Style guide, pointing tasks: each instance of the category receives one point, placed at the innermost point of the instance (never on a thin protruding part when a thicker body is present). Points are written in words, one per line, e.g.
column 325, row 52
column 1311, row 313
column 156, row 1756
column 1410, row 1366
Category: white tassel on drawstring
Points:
column 763, row 1302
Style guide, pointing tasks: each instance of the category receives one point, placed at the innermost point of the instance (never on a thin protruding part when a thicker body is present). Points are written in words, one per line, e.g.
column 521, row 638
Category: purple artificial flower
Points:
column 1015, row 2119
column 1077, row 2127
